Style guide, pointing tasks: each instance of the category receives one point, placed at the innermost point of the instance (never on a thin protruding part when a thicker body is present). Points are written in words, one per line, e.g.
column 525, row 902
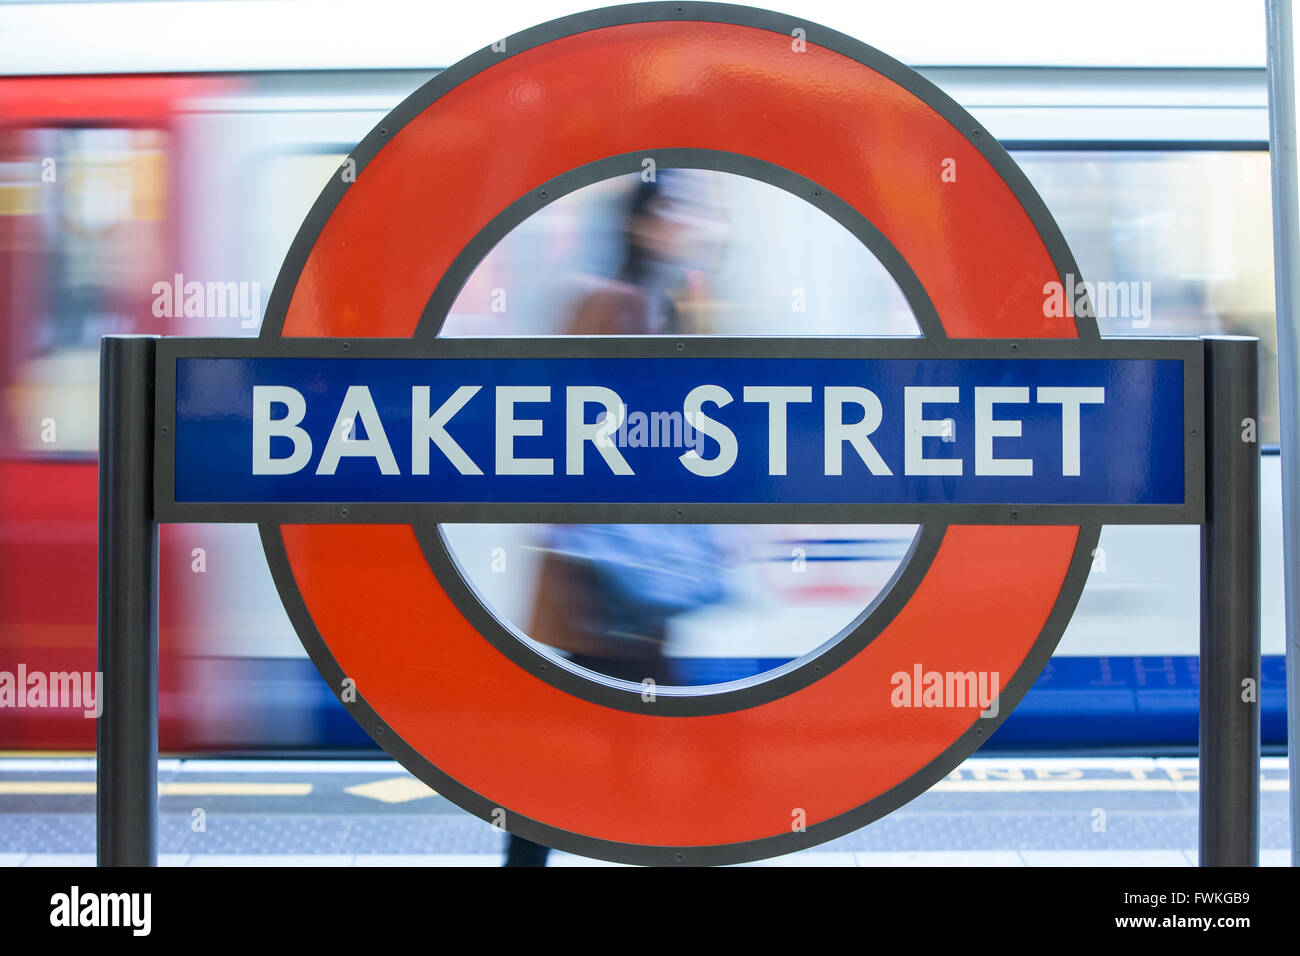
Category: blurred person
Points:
column 673, row 230
column 606, row 593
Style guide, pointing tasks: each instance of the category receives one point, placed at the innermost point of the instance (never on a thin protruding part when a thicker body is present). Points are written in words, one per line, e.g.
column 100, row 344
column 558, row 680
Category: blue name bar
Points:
column 740, row 430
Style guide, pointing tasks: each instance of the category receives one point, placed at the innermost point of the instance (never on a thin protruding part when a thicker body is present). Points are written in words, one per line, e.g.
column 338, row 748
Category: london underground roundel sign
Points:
column 1065, row 431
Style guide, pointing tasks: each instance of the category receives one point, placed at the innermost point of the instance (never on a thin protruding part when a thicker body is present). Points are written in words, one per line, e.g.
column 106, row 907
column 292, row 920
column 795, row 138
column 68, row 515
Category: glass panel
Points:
column 679, row 605
column 1180, row 243
column 694, row 252
column 736, row 256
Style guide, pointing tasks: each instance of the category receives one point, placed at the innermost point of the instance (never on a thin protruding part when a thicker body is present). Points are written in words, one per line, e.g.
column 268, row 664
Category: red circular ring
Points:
column 513, row 739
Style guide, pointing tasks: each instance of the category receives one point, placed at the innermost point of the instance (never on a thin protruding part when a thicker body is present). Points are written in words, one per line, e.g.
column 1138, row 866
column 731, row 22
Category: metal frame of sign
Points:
column 332, row 324
column 1189, row 352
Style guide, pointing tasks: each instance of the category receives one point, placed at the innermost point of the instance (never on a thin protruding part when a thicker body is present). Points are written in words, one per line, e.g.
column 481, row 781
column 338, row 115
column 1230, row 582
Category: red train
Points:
column 112, row 184
column 90, row 212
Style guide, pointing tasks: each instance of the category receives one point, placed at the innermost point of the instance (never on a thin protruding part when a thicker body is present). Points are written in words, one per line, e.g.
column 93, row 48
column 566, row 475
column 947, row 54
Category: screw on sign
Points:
column 1011, row 436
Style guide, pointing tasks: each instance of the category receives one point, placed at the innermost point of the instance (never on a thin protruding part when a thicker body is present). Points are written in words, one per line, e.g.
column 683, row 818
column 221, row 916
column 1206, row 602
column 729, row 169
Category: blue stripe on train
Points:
column 1077, row 702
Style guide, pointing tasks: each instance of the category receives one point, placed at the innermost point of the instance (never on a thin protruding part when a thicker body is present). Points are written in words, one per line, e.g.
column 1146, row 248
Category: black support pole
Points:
column 126, row 794
column 1230, row 581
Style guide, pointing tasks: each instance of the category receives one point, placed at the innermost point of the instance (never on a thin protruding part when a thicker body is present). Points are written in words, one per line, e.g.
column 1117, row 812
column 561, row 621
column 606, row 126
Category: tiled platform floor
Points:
column 989, row 812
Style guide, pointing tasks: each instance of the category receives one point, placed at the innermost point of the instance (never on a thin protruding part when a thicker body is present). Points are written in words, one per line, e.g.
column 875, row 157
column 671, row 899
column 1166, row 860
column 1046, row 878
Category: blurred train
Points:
column 114, row 188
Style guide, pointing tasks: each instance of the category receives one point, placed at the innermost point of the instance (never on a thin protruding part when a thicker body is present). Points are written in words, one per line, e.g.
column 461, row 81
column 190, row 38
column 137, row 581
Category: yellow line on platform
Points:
column 47, row 754
column 46, row 787
column 1268, row 784
column 392, row 790
column 215, row 789
column 175, row 789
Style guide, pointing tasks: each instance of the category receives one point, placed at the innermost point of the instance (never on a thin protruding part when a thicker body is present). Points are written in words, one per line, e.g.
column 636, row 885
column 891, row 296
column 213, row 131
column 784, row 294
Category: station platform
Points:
column 1017, row 812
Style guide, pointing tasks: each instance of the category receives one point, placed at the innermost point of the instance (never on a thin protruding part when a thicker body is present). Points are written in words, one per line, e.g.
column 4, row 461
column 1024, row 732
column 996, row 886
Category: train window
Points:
column 284, row 185
column 1171, row 242
column 694, row 252
column 84, row 210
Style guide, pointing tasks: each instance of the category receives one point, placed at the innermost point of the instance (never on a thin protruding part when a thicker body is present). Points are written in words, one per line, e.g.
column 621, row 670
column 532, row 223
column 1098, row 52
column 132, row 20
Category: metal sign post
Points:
column 1286, row 267
column 126, row 789
column 1230, row 582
